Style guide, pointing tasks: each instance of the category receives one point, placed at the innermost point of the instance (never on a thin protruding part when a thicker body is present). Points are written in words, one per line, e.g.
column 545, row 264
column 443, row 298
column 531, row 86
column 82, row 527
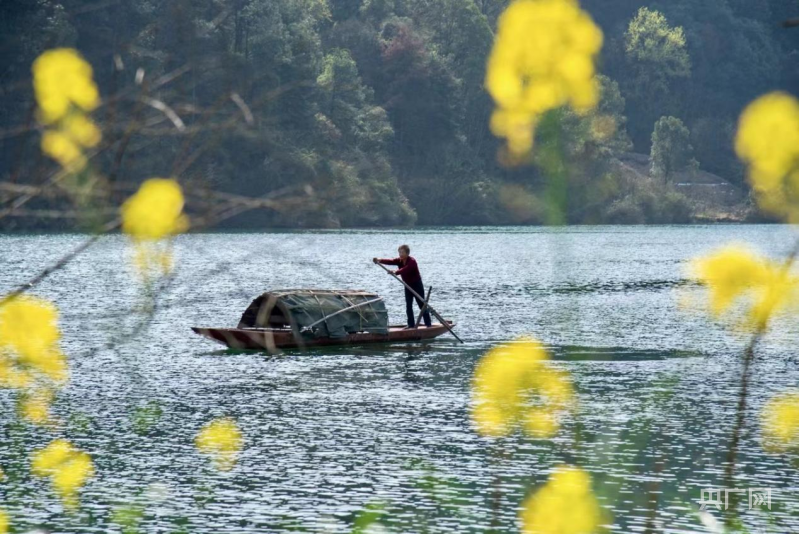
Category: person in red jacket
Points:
column 409, row 272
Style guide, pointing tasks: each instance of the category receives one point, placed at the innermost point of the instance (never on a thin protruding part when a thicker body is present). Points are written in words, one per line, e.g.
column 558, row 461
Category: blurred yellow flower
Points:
column 51, row 363
column 564, row 505
column 65, row 92
column 152, row 258
column 82, row 129
column 67, row 467
column 515, row 386
column 66, row 145
column 28, row 325
column 221, row 440
column 30, row 358
column 734, row 274
column 47, row 460
column 4, row 522
column 61, row 78
column 768, row 142
column 71, row 476
column 517, row 126
column 35, row 406
column 542, row 59
column 10, row 375
column 541, row 424
column 155, row 210
column 62, row 148
column 29, row 337
column 780, row 422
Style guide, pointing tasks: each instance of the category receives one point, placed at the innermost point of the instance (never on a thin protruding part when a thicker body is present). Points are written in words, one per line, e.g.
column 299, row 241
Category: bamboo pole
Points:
column 424, row 306
column 325, row 318
column 444, row 322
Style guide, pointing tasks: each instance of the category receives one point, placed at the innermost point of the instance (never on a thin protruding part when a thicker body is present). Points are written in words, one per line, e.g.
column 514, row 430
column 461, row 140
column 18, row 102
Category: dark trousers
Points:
column 419, row 288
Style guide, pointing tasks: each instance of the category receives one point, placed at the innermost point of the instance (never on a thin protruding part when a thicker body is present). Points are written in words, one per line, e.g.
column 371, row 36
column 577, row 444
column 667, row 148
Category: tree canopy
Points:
column 671, row 147
column 377, row 109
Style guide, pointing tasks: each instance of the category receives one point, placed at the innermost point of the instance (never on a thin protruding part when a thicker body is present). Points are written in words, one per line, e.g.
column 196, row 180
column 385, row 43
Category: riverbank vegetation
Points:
column 376, row 112
column 370, row 113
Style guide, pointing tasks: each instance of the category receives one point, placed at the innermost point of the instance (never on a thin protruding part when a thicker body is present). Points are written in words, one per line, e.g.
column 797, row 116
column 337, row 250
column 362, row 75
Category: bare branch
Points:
column 245, row 109
column 64, row 260
column 166, row 110
column 54, row 214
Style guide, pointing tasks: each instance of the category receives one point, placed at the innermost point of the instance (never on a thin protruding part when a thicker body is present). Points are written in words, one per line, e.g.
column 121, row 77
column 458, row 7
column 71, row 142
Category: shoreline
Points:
column 702, row 222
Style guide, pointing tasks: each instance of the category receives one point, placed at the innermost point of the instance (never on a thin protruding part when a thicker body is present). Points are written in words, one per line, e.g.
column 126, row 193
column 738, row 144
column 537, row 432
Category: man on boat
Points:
column 409, row 272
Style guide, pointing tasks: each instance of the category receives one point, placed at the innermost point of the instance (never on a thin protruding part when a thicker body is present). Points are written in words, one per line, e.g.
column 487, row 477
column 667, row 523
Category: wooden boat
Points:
column 273, row 339
column 299, row 318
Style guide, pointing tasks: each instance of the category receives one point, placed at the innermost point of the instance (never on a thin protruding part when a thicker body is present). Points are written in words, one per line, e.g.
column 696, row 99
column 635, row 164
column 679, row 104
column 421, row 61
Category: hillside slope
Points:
column 711, row 198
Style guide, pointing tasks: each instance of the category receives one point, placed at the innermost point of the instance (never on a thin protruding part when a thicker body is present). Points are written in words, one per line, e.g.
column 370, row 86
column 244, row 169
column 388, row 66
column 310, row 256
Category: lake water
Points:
column 330, row 432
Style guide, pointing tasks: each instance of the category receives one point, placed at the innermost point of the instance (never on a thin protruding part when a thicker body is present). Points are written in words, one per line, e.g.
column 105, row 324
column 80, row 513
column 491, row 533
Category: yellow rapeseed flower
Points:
column 66, row 144
column 35, row 406
column 152, row 258
column 62, row 148
column 155, row 211
column 47, row 460
column 768, row 142
column 515, row 386
column 542, row 59
column 11, row 376
column 51, row 363
column 29, row 337
column 564, row 505
column 61, row 79
column 541, row 424
column 65, row 92
column 4, row 522
column 29, row 325
column 67, row 468
column 221, row 440
column 82, row 129
column 780, row 422
column 736, row 275
column 71, row 476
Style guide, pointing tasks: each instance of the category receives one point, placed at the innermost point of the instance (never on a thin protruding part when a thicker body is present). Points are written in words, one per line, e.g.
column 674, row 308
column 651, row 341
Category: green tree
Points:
column 463, row 37
column 590, row 144
column 369, row 102
column 735, row 57
column 671, row 148
column 377, row 10
column 656, row 57
column 491, row 9
column 345, row 100
column 656, row 49
column 357, row 178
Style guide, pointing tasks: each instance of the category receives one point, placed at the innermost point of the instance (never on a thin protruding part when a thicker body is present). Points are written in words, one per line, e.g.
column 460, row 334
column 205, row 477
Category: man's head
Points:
column 404, row 251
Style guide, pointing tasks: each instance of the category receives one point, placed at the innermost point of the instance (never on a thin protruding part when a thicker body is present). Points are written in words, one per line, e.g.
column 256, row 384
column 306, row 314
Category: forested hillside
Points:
column 377, row 111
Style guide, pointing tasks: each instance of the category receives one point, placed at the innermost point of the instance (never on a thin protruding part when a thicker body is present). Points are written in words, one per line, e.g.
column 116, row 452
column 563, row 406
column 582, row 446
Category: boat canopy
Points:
column 324, row 312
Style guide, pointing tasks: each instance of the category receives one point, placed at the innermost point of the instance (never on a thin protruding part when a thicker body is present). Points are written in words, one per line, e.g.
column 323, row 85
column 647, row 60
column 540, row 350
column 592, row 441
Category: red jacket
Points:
column 409, row 271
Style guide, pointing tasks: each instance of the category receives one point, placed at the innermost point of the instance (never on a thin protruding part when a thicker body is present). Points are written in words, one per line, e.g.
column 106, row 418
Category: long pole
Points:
column 421, row 312
column 434, row 312
column 325, row 318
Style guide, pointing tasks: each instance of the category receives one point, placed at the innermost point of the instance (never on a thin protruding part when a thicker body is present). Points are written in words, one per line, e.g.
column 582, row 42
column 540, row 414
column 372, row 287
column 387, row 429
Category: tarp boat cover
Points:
column 301, row 308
